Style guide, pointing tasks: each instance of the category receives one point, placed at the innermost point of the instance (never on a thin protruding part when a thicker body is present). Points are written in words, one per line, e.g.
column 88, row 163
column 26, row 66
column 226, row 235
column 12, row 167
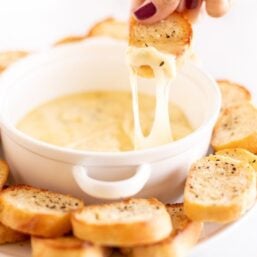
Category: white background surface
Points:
column 226, row 46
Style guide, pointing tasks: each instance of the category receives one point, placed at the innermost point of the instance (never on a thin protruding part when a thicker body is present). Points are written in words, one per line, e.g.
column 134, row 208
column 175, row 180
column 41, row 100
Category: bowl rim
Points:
column 31, row 63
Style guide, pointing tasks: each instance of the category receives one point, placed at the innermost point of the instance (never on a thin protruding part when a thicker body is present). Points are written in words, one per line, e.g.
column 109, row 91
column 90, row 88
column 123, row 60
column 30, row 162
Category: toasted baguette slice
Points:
column 110, row 27
column 117, row 253
column 37, row 212
column 241, row 155
column 66, row 247
column 185, row 235
column 219, row 189
column 4, row 172
column 127, row 223
column 236, row 128
column 9, row 57
column 8, row 235
column 233, row 93
column 172, row 36
column 69, row 40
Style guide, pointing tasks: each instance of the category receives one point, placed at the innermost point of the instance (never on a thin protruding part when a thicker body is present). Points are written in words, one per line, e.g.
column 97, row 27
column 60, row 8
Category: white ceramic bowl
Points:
column 100, row 64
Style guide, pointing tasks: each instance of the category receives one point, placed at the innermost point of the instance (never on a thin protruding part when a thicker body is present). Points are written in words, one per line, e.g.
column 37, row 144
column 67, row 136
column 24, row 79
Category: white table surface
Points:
column 226, row 46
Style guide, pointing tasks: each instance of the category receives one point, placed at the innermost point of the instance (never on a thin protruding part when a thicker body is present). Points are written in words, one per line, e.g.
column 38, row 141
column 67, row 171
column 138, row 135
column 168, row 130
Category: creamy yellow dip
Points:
column 96, row 121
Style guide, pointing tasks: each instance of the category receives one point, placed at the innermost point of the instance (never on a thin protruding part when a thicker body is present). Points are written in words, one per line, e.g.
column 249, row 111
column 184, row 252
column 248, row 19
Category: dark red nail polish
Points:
column 145, row 11
column 191, row 4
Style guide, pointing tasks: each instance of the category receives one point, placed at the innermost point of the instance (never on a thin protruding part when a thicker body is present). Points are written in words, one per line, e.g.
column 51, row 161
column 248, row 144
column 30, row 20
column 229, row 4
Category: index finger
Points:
column 217, row 8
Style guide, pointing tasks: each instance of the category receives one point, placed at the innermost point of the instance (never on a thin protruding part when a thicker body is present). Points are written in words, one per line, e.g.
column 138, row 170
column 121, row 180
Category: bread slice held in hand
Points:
column 37, row 212
column 66, row 247
column 8, row 235
column 127, row 223
column 219, row 189
column 171, row 36
column 184, row 236
column 236, row 128
column 233, row 93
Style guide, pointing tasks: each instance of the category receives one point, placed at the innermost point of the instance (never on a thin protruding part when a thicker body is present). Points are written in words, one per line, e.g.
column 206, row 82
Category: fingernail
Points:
column 191, row 4
column 145, row 11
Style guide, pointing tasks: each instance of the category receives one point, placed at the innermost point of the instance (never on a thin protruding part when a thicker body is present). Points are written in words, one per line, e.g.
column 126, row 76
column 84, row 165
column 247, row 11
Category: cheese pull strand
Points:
column 164, row 69
column 161, row 129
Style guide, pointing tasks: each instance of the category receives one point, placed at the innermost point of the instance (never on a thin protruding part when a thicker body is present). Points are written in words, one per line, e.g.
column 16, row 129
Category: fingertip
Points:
column 155, row 10
column 146, row 11
column 217, row 8
column 216, row 14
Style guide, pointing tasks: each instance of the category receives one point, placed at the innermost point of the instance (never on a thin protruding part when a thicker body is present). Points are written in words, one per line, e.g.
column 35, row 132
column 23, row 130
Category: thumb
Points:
column 151, row 11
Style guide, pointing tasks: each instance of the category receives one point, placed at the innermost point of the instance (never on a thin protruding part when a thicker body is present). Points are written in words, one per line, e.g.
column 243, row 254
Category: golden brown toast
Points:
column 118, row 224
column 236, row 128
column 66, row 247
column 37, row 212
column 232, row 93
column 109, row 27
column 219, row 189
column 9, row 57
column 184, row 236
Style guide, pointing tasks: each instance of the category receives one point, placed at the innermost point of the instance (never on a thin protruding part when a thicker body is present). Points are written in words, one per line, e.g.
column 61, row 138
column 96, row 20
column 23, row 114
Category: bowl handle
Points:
column 112, row 189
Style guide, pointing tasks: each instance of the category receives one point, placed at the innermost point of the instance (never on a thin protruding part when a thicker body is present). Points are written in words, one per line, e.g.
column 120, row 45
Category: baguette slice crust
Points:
column 110, row 27
column 233, row 93
column 66, row 247
column 241, row 155
column 219, row 189
column 8, row 235
column 126, row 223
column 172, row 35
column 37, row 212
column 4, row 172
column 9, row 57
column 69, row 40
column 185, row 235
column 236, row 128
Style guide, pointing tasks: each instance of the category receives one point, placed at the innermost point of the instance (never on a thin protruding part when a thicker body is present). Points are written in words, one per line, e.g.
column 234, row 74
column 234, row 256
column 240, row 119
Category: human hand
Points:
column 149, row 11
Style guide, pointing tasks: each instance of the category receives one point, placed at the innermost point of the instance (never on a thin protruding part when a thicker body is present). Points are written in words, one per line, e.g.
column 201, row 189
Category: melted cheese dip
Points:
column 97, row 121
